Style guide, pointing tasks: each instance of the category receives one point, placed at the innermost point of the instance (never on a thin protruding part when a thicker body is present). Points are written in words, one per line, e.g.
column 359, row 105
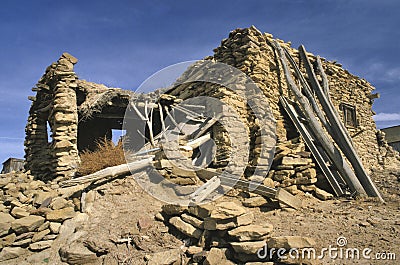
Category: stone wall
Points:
column 53, row 110
column 252, row 52
column 55, row 106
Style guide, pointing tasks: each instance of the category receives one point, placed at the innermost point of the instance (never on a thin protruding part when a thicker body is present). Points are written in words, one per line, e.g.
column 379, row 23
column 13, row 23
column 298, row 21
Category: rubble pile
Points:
column 31, row 214
column 223, row 232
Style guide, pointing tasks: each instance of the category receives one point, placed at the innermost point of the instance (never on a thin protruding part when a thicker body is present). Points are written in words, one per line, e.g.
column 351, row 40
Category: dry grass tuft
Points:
column 107, row 154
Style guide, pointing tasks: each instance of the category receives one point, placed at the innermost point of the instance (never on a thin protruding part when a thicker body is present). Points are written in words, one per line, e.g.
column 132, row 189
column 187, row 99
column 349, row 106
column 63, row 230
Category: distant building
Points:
column 12, row 164
column 393, row 136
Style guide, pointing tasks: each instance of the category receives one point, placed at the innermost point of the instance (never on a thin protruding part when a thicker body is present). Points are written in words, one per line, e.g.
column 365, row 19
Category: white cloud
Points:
column 383, row 72
column 387, row 117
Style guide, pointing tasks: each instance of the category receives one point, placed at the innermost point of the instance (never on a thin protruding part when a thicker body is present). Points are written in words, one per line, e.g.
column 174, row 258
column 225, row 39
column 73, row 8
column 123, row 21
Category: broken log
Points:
column 206, row 189
column 110, row 172
column 199, row 141
column 329, row 147
column 174, row 121
column 161, row 117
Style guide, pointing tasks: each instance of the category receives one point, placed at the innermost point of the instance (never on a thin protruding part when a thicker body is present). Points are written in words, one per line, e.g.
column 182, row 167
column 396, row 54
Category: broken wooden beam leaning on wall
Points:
column 332, row 151
column 339, row 132
column 334, row 180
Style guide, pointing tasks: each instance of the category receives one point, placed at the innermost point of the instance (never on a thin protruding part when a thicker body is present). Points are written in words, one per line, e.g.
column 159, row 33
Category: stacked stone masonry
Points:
column 54, row 112
column 32, row 213
column 224, row 232
column 58, row 105
column 254, row 54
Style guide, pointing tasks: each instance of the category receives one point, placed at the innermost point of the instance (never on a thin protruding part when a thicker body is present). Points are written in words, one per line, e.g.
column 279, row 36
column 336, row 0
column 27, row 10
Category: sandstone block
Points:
column 247, row 247
column 37, row 246
column 7, row 240
column 251, row 232
column 322, row 195
column 11, row 253
column 27, row 224
column 192, row 220
column 59, row 203
column 40, row 235
column 295, row 161
column 256, row 201
column 5, row 223
column 165, row 257
column 61, row 214
column 54, row 227
column 171, row 209
column 77, row 254
column 202, row 211
column 217, row 256
column 227, row 210
column 185, row 228
column 288, row 242
column 19, row 212
column 217, row 224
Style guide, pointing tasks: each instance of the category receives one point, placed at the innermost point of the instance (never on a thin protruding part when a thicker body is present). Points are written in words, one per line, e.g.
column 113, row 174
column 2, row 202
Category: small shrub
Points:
column 107, row 154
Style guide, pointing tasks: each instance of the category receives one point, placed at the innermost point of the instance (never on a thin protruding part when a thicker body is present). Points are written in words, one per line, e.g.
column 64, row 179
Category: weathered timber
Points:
column 307, row 90
column 110, row 172
column 339, row 131
column 161, row 117
column 334, row 179
column 325, row 83
column 174, row 122
column 332, row 151
column 206, row 189
column 199, row 141
column 254, row 187
column 210, row 121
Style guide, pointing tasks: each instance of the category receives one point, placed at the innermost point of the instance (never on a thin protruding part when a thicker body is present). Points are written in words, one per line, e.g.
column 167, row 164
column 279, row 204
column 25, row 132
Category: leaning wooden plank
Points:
column 206, row 189
column 161, row 117
column 143, row 118
column 189, row 112
column 207, row 124
column 307, row 91
column 199, row 141
column 174, row 121
column 333, row 152
column 150, row 126
column 340, row 134
column 325, row 83
column 322, row 163
column 255, row 187
column 110, row 172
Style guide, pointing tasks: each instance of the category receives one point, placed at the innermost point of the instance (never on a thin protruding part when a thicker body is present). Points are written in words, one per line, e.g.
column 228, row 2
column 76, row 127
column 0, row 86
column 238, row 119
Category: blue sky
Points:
column 121, row 43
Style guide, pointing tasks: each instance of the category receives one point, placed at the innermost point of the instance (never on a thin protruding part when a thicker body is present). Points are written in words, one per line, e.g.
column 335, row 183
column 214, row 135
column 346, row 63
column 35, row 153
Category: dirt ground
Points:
column 123, row 211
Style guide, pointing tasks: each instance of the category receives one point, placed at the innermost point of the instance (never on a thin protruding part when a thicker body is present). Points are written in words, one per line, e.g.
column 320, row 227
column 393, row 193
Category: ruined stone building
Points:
column 68, row 115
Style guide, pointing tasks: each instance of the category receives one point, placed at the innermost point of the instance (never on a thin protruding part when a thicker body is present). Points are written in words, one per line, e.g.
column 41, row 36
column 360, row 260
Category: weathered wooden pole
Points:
column 333, row 152
column 308, row 92
column 340, row 134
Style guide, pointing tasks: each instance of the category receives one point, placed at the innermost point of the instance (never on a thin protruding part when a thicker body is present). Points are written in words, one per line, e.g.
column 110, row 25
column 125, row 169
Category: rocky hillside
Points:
column 119, row 223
